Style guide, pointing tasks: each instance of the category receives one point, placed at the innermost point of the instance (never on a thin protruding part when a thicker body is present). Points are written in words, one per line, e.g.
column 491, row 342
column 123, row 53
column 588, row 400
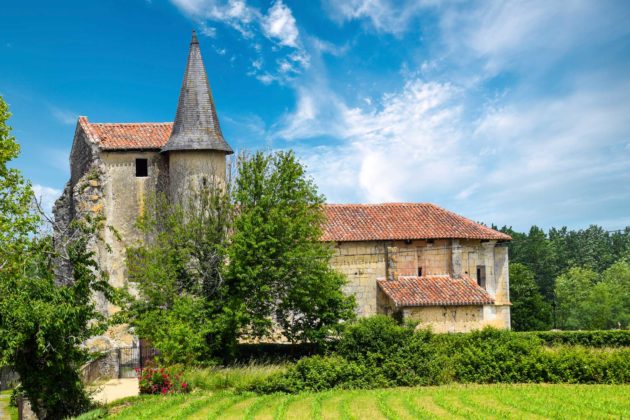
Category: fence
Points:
column 8, row 378
column 119, row 363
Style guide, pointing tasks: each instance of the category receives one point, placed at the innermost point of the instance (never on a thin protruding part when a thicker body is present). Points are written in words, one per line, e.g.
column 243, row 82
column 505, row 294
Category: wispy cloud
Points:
column 277, row 25
column 46, row 196
column 64, row 116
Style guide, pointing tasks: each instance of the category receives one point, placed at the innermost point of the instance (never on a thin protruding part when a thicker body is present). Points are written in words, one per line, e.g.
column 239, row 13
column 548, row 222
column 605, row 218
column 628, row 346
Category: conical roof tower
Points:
column 196, row 124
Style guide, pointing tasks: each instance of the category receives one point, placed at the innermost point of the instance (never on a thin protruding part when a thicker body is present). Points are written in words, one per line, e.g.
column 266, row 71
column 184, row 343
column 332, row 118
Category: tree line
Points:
column 569, row 279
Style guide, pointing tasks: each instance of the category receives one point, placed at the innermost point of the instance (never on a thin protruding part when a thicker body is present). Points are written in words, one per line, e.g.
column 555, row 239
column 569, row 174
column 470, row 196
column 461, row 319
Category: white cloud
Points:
column 64, row 116
column 46, row 196
column 279, row 24
column 383, row 15
column 542, row 160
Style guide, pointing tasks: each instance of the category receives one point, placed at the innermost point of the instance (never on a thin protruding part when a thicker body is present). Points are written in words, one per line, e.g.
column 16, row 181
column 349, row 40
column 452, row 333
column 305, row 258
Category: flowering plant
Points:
column 160, row 381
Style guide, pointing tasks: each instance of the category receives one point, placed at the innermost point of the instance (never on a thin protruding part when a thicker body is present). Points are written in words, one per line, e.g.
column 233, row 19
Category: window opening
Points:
column 142, row 168
column 481, row 276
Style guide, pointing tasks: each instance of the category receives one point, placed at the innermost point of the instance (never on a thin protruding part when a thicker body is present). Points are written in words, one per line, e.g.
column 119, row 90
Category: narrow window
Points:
column 481, row 276
column 419, row 271
column 142, row 168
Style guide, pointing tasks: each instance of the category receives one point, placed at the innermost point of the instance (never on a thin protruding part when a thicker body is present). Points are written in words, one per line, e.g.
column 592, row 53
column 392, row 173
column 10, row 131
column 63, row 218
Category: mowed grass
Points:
column 535, row 401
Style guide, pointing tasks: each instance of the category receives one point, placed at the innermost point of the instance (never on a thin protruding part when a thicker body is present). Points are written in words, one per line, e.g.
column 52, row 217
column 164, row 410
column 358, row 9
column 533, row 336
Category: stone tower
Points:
column 196, row 149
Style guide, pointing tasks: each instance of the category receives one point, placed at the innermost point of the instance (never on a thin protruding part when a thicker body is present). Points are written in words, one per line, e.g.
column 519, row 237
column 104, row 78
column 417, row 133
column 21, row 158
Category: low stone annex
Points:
column 412, row 260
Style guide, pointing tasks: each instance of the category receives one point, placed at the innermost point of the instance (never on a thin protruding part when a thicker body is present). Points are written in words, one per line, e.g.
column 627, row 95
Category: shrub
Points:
column 318, row 373
column 376, row 352
column 608, row 338
column 421, row 360
column 490, row 356
column 161, row 381
column 371, row 340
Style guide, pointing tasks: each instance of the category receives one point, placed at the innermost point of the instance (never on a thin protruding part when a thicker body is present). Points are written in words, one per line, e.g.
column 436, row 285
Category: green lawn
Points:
column 457, row 401
column 7, row 412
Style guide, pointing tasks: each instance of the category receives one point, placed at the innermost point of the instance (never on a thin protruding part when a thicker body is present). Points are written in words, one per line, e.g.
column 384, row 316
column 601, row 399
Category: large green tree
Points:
column 279, row 272
column 529, row 312
column 179, row 272
column 42, row 324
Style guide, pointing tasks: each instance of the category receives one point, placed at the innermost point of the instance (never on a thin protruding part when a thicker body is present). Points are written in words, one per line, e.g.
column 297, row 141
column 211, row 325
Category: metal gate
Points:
column 132, row 358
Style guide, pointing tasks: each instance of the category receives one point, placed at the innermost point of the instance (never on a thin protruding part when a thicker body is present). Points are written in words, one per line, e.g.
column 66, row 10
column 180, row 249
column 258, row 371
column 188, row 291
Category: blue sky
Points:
column 513, row 113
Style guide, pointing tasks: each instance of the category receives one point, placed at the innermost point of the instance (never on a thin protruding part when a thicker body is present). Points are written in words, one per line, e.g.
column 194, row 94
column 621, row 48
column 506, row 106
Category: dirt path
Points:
column 116, row 389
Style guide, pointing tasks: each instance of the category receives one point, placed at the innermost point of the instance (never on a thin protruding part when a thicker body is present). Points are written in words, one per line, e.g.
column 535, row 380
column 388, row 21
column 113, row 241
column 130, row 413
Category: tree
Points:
column 43, row 324
column 573, row 289
column 530, row 312
column 279, row 269
column 608, row 303
column 179, row 272
column 17, row 219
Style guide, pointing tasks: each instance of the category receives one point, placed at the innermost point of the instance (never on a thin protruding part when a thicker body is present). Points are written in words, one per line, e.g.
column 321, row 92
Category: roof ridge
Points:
column 129, row 123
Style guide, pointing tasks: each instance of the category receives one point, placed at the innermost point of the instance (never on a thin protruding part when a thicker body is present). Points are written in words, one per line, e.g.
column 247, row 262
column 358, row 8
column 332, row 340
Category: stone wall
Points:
column 188, row 169
column 447, row 319
column 125, row 200
column 364, row 262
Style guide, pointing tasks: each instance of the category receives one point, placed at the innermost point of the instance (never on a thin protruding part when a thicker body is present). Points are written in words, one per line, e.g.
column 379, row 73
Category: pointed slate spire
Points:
column 196, row 124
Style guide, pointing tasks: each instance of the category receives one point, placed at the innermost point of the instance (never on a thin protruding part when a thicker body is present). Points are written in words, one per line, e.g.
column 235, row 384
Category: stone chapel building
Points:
column 412, row 260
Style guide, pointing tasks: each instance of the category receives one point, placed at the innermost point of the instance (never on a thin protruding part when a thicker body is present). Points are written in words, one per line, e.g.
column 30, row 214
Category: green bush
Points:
column 607, row 338
column 372, row 340
column 491, row 356
column 377, row 352
column 318, row 373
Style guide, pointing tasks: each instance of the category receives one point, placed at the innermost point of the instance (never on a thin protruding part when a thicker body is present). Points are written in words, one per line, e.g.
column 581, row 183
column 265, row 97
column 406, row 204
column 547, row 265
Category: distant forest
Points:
column 569, row 279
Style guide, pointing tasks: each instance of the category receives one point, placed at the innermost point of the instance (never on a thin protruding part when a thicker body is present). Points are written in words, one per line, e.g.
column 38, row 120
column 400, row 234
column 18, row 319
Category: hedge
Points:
column 376, row 352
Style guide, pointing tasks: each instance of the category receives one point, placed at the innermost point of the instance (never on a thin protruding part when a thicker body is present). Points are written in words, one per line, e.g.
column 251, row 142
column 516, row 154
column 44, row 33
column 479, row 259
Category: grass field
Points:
column 459, row 401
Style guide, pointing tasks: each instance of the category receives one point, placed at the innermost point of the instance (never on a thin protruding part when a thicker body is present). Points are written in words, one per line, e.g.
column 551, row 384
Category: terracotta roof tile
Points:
column 400, row 221
column 128, row 136
column 441, row 290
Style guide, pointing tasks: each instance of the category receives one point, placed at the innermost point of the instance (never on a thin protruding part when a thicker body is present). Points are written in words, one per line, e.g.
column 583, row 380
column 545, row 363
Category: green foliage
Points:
column 318, row 373
column 43, row 323
column 490, row 356
column 237, row 378
column 378, row 353
column 373, row 339
column 552, row 256
column 588, row 300
column 610, row 338
column 529, row 310
column 279, row 270
column 179, row 273
column 17, row 219
column 181, row 331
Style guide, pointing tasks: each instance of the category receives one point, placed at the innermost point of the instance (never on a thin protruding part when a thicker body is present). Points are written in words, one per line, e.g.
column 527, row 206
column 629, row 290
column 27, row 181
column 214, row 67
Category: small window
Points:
column 481, row 276
column 419, row 271
column 142, row 168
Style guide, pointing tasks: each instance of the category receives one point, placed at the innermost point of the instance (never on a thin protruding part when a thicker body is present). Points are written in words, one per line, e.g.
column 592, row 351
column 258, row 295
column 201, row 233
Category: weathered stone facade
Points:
column 365, row 262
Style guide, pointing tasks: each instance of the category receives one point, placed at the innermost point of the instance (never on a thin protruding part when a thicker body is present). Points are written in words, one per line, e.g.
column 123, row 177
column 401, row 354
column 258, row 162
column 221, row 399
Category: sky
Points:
column 511, row 113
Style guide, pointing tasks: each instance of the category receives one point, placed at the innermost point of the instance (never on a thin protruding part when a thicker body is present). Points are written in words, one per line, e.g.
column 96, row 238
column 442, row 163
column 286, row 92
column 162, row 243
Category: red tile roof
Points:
column 127, row 136
column 440, row 290
column 400, row 221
